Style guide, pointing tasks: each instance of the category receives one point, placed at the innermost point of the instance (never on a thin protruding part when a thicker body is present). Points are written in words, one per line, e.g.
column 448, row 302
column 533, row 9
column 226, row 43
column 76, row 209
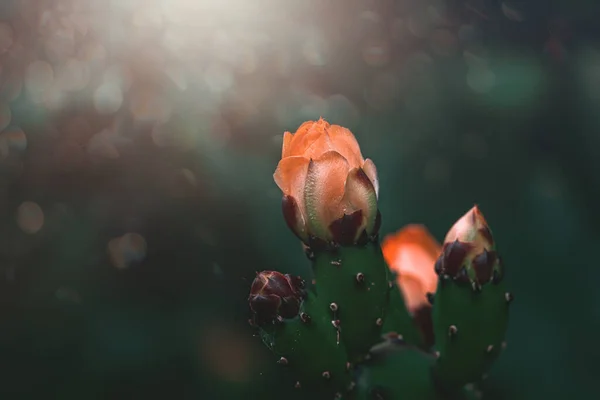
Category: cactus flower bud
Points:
column 469, row 252
column 411, row 253
column 329, row 190
column 274, row 295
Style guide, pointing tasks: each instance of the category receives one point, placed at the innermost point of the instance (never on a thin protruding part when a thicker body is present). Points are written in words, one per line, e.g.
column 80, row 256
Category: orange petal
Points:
column 345, row 143
column 321, row 145
column 324, row 191
column 371, row 171
column 360, row 195
column 290, row 176
column 412, row 252
column 412, row 291
column 305, row 136
column 285, row 148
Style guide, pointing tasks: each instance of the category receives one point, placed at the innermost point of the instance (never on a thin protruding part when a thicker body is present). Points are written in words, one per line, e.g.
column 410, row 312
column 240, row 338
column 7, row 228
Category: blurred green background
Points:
column 138, row 140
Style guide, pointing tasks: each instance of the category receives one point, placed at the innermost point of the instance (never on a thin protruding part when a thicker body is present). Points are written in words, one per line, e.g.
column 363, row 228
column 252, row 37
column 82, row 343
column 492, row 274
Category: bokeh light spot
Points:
column 108, row 98
column 101, row 145
column 228, row 353
column 39, row 77
column 126, row 250
column 481, row 80
column 73, row 75
column 376, row 53
column 13, row 138
column 30, row 217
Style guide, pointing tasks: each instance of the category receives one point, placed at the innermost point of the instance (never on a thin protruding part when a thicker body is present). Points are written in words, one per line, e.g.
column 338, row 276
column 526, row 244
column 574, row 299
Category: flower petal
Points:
column 371, row 171
column 360, row 195
column 319, row 147
column 412, row 252
column 325, row 184
column 285, row 148
column 290, row 176
column 413, row 292
column 345, row 143
column 294, row 218
column 472, row 228
column 306, row 134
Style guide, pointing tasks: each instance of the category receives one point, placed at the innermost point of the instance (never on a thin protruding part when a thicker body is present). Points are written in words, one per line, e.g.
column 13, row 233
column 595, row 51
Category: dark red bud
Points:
column 274, row 295
column 265, row 308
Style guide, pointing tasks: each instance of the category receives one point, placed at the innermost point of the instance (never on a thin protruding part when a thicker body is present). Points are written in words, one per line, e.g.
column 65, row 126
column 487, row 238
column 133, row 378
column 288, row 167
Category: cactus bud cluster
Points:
column 410, row 319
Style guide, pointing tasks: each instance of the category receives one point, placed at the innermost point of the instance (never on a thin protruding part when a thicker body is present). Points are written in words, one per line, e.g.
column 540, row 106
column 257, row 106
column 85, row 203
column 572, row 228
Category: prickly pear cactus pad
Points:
column 411, row 319
column 396, row 370
column 354, row 281
column 297, row 329
column 470, row 310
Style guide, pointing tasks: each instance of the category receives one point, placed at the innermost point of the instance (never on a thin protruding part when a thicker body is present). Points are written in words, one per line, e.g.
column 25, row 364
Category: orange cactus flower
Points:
column 411, row 253
column 469, row 252
column 329, row 190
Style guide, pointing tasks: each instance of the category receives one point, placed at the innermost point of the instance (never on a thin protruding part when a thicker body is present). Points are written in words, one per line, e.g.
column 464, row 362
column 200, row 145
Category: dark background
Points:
column 164, row 119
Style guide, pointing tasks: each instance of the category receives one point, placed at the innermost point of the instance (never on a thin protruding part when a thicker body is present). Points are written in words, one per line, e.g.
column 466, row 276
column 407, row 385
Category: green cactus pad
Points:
column 399, row 320
column 396, row 371
column 353, row 282
column 308, row 346
column 470, row 327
